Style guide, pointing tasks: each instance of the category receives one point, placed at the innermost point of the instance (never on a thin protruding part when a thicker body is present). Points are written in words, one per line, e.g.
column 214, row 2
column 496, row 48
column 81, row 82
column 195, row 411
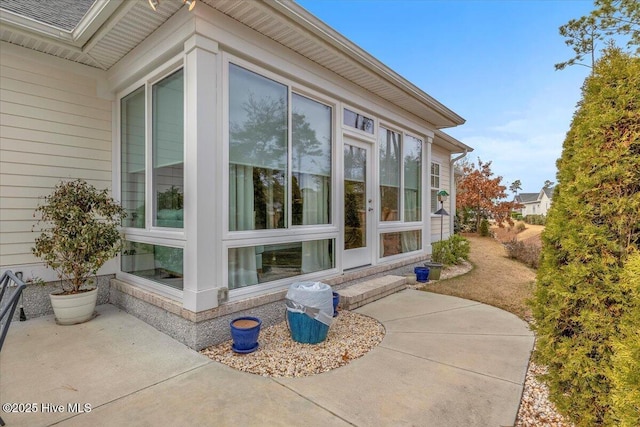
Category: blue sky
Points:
column 489, row 61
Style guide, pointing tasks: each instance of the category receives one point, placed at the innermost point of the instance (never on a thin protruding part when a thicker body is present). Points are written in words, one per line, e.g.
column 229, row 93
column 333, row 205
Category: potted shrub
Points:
column 80, row 232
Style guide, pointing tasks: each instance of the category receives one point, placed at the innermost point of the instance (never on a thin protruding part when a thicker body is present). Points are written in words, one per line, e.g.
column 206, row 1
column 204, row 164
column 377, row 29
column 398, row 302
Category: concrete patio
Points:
column 444, row 361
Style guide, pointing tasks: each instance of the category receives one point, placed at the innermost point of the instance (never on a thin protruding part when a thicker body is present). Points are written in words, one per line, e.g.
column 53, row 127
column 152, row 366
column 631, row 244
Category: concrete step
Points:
column 363, row 293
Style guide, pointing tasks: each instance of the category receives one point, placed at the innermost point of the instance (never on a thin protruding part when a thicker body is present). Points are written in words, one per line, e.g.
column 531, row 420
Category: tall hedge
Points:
column 625, row 373
column 592, row 228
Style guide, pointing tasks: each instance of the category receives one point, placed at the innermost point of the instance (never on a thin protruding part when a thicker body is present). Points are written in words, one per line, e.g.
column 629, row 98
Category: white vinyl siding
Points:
column 52, row 126
column 441, row 156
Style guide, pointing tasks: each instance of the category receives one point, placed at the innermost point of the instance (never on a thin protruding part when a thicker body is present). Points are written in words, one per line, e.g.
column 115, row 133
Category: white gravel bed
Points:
column 350, row 336
column 535, row 408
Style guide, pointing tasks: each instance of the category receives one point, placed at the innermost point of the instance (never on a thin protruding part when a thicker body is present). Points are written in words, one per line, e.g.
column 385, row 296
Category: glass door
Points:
column 358, row 204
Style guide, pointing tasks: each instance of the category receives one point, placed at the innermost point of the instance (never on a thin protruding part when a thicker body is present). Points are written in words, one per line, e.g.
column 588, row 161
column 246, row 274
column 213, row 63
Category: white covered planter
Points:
column 75, row 308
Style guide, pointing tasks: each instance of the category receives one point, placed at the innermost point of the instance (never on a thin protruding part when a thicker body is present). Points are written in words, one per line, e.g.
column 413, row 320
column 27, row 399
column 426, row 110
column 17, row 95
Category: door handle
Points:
column 370, row 209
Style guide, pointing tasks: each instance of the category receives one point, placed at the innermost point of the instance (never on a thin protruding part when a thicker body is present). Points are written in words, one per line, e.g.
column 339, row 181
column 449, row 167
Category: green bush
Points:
column 484, row 228
column 625, row 372
column 80, row 231
column 535, row 219
column 451, row 251
column 591, row 230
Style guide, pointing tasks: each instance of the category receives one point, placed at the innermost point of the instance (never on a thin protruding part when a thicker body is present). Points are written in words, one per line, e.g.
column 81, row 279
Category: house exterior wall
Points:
column 531, row 208
column 214, row 39
column 441, row 157
column 68, row 126
column 54, row 124
column 544, row 203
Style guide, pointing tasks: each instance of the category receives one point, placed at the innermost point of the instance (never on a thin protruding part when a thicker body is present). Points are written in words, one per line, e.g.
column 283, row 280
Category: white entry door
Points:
column 358, row 204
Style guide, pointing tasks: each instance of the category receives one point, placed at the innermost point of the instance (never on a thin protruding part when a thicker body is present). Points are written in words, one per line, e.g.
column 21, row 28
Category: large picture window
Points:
column 264, row 163
column 257, row 151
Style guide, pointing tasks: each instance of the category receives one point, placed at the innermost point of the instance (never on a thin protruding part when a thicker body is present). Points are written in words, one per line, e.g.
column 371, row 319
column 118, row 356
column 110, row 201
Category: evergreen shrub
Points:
column 593, row 226
column 625, row 372
column 535, row 219
column 484, row 228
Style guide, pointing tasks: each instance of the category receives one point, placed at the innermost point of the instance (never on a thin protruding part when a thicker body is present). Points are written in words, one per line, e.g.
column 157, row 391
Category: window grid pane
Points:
column 168, row 151
column 435, row 186
column 412, row 149
column 161, row 264
column 311, row 161
column 266, row 263
column 358, row 121
column 132, row 138
column 400, row 242
column 258, row 151
column 390, row 167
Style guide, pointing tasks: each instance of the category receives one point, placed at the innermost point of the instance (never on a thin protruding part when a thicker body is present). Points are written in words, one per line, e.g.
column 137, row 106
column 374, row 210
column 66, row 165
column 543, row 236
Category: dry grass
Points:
column 495, row 280
column 530, row 235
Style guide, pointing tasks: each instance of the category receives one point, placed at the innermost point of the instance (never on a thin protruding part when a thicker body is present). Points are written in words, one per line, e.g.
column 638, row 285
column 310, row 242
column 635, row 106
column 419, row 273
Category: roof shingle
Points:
column 62, row 14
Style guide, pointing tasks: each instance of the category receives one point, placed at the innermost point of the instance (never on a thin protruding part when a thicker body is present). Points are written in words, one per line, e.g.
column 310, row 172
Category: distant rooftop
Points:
column 62, row 14
column 527, row 197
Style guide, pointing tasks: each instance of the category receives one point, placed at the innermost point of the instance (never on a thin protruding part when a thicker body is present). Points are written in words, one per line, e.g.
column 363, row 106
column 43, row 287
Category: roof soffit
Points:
column 112, row 28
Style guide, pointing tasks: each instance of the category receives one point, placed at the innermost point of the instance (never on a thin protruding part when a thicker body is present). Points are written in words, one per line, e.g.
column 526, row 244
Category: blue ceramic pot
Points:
column 245, row 331
column 422, row 274
column 336, row 301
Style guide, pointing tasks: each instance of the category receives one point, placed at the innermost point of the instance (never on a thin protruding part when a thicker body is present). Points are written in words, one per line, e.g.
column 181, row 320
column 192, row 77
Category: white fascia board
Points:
column 308, row 21
column 450, row 143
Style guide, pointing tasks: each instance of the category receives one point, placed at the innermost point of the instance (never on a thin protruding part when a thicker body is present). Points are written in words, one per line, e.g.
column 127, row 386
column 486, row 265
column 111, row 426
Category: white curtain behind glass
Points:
column 390, row 164
column 257, row 153
column 311, row 167
column 412, row 150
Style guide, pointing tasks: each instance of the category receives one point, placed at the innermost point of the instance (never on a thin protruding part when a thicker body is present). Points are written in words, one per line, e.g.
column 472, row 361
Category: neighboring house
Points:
column 251, row 145
column 535, row 203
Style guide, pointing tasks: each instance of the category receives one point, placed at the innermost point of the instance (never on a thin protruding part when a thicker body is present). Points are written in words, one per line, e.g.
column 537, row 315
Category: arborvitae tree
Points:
column 625, row 373
column 592, row 228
